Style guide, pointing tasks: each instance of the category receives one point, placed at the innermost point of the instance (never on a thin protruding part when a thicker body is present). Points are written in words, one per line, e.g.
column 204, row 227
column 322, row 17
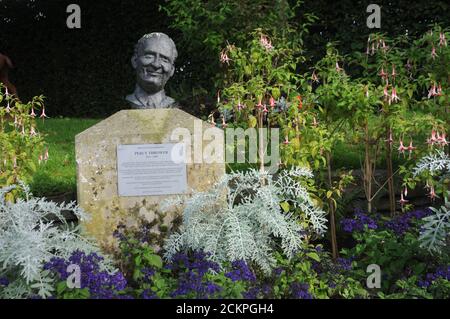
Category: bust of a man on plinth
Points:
column 153, row 60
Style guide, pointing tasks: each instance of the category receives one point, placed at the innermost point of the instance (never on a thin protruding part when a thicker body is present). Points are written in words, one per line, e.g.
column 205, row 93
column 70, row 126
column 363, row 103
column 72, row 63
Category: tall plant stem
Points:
column 367, row 175
column 390, row 172
column 261, row 148
column 334, row 245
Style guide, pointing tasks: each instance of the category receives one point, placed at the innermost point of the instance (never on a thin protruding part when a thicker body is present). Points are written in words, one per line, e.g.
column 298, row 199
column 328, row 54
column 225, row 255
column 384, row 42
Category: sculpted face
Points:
column 154, row 64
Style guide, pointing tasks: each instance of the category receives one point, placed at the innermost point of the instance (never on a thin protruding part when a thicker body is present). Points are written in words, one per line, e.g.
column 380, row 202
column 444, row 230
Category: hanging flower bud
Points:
column 394, row 96
column 432, row 92
column 265, row 42
column 442, row 40
column 314, row 77
column 433, row 52
column 402, row 200
column 224, row 123
column 432, row 193
column 43, row 115
column 272, row 102
column 394, row 74
column 259, row 106
column 402, row 148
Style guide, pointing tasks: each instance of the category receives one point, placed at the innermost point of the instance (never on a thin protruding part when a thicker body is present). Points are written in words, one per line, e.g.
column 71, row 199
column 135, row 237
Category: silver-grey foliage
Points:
column 437, row 226
column 28, row 239
column 436, row 162
column 239, row 217
column 435, row 231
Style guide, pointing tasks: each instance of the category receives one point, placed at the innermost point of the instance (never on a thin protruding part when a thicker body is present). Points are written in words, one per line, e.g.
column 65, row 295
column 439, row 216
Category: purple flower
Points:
column 4, row 281
column 401, row 224
column 101, row 284
column 358, row 222
column 240, row 271
column 300, row 291
column 344, row 264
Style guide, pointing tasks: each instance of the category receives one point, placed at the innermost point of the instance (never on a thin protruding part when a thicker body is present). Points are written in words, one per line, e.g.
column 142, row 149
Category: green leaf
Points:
column 314, row 256
column 154, row 260
column 285, row 206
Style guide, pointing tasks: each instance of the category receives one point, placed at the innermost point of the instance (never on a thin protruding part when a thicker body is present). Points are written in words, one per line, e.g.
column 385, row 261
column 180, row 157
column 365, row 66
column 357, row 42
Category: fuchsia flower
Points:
column 402, row 148
column 259, row 105
column 32, row 114
column 224, row 123
column 432, row 193
column 224, row 57
column 411, row 148
column 211, row 119
column 441, row 140
column 40, row 159
column 338, row 68
column 43, row 115
column 402, row 200
column 314, row 77
column 7, row 100
column 272, row 102
column 432, row 91
column 433, row 52
column 442, row 40
column 439, row 90
column 314, row 122
column 46, row 155
column 394, row 74
column 286, row 140
column 33, row 131
column 383, row 74
column 394, row 97
column 265, row 110
column 432, row 139
column 265, row 42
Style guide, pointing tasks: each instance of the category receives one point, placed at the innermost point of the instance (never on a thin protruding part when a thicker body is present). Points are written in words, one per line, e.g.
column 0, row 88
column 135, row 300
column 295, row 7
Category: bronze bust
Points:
column 153, row 60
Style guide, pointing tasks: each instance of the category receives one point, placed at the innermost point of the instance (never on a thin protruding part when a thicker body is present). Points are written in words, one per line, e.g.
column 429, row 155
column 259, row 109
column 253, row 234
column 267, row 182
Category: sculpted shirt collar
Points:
column 143, row 100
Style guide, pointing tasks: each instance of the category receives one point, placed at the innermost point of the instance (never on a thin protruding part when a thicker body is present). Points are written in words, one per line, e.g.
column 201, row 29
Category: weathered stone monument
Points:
column 132, row 161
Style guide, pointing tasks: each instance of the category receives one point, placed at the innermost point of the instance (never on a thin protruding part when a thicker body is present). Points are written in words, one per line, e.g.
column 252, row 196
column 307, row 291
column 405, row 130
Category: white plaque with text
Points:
column 151, row 169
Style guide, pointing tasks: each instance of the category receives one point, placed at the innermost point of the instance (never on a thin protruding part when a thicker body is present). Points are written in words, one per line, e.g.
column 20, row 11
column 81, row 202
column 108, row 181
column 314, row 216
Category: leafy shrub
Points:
column 394, row 245
column 238, row 218
column 32, row 232
column 21, row 146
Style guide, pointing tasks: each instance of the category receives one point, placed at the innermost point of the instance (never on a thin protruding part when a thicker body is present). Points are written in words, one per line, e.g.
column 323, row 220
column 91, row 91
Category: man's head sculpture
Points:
column 153, row 60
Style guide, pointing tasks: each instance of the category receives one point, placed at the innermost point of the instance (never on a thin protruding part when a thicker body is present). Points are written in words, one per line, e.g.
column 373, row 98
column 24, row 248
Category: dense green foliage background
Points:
column 86, row 73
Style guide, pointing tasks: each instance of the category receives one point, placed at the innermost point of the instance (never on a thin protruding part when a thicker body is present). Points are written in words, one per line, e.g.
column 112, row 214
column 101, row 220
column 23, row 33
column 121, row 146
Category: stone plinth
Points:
column 96, row 157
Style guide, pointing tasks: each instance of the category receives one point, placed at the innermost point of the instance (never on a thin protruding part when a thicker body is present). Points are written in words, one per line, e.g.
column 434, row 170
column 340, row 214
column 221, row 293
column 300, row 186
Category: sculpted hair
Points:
column 157, row 35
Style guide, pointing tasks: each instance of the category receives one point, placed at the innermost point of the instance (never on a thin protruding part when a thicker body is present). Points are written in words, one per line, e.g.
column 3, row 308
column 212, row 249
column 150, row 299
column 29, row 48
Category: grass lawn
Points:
column 58, row 175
